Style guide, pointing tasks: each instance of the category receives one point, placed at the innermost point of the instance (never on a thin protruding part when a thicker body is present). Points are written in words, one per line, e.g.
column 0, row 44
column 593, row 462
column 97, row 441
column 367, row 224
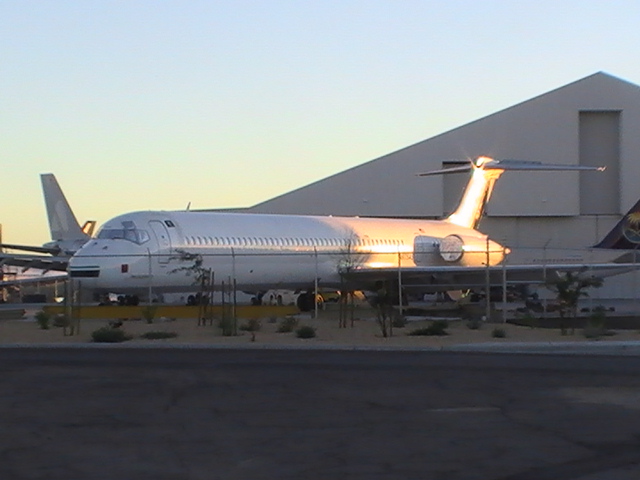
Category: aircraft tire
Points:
column 304, row 302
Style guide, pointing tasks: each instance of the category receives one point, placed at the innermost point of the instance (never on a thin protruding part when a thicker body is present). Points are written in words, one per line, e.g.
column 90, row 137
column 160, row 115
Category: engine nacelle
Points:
column 457, row 249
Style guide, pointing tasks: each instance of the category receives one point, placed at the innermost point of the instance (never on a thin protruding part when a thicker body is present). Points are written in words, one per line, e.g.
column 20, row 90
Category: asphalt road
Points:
column 124, row 413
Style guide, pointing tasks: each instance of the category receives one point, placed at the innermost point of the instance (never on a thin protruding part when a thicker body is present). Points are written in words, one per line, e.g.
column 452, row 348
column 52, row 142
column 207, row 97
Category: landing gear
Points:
column 198, row 299
column 129, row 300
column 305, row 301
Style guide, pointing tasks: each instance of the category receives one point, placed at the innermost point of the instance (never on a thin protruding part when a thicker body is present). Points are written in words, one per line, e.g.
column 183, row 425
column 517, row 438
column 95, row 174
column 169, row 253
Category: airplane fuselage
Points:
column 164, row 251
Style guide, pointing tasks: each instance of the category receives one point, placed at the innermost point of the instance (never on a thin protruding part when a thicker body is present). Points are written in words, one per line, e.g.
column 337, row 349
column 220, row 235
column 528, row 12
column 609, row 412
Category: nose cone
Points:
column 111, row 266
column 85, row 266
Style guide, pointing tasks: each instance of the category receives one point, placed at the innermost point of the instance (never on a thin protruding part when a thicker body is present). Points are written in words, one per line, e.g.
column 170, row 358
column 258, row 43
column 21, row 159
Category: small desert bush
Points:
column 227, row 325
column 288, row 324
column 158, row 335
column 596, row 326
column 306, row 332
column 399, row 321
column 61, row 320
column 109, row 335
column 498, row 332
column 252, row 325
column 43, row 318
column 474, row 324
column 437, row 328
column 149, row 312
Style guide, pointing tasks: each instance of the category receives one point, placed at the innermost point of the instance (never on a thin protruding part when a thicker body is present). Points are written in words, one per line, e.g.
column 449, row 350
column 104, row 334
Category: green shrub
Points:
column 61, row 320
column 252, row 325
column 306, row 332
column 288, row 325
column 437, row 328
column 474, row 324
column 158, row 335
column 399, row 321
column 149, row 312
column 596, row 326
column 227, row 325
column 498, row 333
column 43, row 318
column 109, row 335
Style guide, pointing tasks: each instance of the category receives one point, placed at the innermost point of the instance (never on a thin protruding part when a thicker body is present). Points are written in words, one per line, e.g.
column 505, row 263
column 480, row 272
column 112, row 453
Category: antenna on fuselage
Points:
column 188, row 206
column 486, row 171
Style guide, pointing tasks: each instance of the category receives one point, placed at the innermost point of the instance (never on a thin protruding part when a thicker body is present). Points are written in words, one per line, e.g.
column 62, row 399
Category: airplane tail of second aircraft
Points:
column 626, row 234
column 62, row 221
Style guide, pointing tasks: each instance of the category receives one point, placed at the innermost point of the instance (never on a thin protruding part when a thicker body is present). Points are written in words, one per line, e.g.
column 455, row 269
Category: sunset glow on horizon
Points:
column 142, row 105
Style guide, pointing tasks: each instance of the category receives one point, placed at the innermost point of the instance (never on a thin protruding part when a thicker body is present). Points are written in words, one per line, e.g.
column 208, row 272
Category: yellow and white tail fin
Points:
column 485, row 172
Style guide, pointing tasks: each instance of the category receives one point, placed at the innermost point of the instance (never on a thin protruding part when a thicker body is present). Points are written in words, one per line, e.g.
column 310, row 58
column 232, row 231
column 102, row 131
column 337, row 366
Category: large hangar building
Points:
column 593, row 121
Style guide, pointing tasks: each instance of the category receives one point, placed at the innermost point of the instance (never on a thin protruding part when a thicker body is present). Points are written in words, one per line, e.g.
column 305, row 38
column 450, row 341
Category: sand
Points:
column 365, row 333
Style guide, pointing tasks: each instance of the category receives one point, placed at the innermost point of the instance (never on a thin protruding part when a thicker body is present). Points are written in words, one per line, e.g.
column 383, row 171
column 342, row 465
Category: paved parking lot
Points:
column 251, row 414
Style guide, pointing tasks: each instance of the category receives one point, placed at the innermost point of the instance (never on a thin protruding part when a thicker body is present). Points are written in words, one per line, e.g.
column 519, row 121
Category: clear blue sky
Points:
column 153, row 104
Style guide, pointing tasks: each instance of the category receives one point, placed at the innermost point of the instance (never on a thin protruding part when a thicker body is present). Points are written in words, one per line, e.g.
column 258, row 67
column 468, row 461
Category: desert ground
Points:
column 365, row 333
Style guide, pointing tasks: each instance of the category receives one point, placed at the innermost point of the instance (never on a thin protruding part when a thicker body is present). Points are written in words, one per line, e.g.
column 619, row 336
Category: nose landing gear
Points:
column 131, row 300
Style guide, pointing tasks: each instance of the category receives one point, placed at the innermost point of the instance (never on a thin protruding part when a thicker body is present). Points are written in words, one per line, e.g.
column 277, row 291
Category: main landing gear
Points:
column 305, row 301
column 132, row 300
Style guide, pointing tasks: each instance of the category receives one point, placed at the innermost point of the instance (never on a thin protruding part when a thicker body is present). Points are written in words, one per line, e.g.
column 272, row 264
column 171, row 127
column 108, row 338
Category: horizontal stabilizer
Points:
column 485, row 173
column 486, row 163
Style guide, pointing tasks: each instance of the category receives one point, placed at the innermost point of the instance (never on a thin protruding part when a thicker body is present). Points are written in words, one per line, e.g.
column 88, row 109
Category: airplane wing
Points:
column 31, row 248
column 438, row 278
column 34, row 280
column 41, row 262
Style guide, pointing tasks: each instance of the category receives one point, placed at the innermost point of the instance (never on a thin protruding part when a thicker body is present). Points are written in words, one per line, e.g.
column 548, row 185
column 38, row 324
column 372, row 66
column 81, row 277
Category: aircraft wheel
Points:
column 132, row 300
column 304, row 302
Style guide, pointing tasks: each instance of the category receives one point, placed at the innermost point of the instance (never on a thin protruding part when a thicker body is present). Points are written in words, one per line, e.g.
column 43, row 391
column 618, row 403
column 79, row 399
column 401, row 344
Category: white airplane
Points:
column 157, row 251
column 66, row 234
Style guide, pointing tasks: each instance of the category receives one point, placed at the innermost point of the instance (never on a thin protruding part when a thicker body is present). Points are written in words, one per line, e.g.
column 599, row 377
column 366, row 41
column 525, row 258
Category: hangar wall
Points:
column 592, row 121
column 546, row 128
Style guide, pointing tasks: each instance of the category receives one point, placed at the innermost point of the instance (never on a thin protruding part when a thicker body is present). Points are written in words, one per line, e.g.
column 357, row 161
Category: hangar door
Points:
column 600, row 146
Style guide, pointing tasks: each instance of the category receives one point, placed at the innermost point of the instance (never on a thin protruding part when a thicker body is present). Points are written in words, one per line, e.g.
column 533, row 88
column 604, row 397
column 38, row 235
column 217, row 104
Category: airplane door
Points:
column 164, row 240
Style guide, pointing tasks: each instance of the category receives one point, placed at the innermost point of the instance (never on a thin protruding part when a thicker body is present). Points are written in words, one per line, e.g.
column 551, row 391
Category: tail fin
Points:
column 485, row 173
column 626, row 234
column 88, row 227
column 62, row 222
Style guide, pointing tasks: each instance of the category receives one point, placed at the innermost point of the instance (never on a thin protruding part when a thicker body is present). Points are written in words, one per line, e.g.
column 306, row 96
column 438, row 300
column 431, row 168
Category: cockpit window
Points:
column 128, row 232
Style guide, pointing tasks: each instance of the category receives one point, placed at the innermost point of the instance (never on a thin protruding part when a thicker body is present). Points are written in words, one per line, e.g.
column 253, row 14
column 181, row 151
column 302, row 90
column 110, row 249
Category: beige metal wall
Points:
column 546, row 128
column 593, row 121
